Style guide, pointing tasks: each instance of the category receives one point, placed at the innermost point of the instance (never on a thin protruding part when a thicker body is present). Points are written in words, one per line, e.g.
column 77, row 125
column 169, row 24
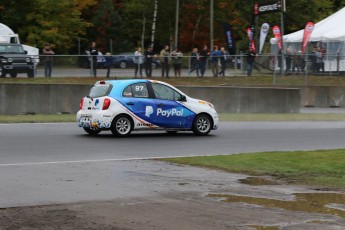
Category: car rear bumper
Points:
column 87, row 119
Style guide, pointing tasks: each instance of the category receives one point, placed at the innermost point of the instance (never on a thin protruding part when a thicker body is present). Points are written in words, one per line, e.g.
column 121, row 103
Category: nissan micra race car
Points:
column 123, row 106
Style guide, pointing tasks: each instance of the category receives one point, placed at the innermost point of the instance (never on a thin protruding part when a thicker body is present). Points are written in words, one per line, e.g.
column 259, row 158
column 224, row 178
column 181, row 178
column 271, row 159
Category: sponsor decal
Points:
column 148, row 111
column 168, row 113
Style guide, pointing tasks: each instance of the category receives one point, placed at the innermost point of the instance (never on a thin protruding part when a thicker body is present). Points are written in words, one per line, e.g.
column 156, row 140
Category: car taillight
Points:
column 81, row 103
column 106, row 104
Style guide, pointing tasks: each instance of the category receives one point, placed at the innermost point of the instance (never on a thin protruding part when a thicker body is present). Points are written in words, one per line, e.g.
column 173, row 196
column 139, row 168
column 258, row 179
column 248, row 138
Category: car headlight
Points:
column 3, row 60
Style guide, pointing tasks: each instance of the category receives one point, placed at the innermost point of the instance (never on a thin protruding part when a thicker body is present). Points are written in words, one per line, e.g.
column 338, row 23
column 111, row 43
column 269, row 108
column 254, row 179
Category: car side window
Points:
column 136, row 90
column 165, row 93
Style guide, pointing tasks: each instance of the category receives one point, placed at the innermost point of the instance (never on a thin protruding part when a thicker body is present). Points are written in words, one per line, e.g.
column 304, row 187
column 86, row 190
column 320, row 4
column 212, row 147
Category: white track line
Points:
column 84, row 161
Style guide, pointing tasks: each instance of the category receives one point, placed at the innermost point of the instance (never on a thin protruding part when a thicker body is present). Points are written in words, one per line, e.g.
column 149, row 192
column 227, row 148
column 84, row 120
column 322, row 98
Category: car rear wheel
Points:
column 92, row 131
column 202, row 125
column 121, row 126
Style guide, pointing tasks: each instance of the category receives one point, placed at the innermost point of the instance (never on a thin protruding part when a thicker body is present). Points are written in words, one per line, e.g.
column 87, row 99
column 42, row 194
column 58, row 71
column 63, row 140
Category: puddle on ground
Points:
column 325, row 203
column 257, row 181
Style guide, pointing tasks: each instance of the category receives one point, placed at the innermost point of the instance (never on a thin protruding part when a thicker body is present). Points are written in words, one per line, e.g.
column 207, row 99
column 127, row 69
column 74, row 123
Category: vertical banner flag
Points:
column 309, row 27
column 278, row 36
column 251, row 40
column 263, row 34
column 229, row 38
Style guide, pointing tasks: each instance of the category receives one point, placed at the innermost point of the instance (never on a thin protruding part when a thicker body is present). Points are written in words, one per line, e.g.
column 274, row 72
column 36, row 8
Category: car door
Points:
column 137, row 100
column 170, row 112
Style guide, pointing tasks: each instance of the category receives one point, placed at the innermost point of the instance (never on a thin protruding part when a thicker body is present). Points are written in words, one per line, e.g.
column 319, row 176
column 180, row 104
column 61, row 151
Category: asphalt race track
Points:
column 59, row 163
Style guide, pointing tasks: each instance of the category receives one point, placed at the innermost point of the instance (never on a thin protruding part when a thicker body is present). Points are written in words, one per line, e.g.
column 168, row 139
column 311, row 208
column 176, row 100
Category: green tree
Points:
column 107, row 28
column 57, row 22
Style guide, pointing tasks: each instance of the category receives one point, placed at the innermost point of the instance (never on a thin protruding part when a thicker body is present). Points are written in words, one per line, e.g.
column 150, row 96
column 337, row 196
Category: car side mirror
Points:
column 25, row 51
column 182, row 98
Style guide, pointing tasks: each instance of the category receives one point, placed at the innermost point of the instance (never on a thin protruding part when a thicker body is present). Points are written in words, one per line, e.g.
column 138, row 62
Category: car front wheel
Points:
column 202, row 125
column 121, row 126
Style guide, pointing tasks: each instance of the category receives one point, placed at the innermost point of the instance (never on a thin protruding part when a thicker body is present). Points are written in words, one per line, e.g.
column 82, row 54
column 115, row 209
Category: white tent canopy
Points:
column 328, row 33
column 328, row 30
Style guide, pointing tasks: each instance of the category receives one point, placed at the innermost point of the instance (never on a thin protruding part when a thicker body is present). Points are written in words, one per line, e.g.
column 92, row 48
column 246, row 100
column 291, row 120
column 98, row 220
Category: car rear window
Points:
column 100, row 91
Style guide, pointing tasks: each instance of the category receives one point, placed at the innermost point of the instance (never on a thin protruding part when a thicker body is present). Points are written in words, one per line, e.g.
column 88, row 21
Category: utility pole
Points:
column 176, row 22
column 154, row 24
column 283, row 9
column 211, row 25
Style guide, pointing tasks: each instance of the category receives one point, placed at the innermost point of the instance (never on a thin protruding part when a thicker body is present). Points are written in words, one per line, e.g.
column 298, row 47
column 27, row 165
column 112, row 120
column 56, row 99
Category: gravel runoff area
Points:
column 167, row 196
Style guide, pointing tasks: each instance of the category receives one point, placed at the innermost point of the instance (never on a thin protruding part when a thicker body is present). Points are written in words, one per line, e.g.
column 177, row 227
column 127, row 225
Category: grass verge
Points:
column 44, row 118
column 264, row 80
column 323, row 168
column 39, row 118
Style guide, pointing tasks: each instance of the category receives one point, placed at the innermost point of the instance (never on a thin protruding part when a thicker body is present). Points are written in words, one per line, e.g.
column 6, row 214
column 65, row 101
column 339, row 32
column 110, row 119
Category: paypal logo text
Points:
column 168, row 113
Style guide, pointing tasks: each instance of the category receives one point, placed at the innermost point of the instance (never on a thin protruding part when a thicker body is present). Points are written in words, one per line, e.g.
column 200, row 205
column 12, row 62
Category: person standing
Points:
column 138, row 60
column 215, row 55
column 194, row 62
column 312, row 58
column 250, row 60
column 223, row 59
column 177, row 61
column 203, row 60
column 288, row 60
column 318, row 55
column 108, row 63
column 94, row 53
column 165, row 58
column 48, row 60
column 149, row 55
column 323, row 54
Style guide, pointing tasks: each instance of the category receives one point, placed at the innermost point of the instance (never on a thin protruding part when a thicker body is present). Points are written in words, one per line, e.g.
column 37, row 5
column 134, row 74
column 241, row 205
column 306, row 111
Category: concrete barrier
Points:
column 65, row 98
column 323, row 96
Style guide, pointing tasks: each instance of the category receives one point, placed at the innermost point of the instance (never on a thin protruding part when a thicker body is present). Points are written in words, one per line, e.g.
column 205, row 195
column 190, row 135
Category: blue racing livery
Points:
column 123, row 106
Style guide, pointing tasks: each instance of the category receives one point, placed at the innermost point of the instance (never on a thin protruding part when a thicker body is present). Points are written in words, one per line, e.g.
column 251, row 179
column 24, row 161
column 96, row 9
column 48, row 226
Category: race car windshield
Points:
column 99, row 91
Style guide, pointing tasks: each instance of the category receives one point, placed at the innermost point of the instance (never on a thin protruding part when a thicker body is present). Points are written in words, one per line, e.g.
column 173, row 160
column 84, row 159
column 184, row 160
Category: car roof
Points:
column 120, row 85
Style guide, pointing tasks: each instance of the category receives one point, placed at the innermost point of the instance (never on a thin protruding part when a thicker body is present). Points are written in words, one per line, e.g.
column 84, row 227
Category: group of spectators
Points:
column 197, row 61
column 296, row 61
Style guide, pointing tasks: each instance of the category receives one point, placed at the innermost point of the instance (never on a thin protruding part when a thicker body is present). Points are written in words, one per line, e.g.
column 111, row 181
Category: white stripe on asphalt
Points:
column 87, row 161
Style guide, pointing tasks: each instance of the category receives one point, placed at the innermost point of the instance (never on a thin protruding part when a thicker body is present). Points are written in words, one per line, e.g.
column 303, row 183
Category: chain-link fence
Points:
column 233, row 66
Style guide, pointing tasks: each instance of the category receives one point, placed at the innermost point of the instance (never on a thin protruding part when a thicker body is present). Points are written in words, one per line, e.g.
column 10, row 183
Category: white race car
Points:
column 123, row 106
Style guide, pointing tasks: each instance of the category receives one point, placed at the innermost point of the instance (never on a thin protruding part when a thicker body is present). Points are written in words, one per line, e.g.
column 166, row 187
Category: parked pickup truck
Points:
column 14, row 59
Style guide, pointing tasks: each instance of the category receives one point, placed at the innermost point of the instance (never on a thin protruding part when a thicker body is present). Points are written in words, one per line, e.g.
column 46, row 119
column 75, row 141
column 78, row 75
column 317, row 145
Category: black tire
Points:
column 31, row 73
column 92, row 131
column 122, row 126
column 13, row 75
column 202, row 125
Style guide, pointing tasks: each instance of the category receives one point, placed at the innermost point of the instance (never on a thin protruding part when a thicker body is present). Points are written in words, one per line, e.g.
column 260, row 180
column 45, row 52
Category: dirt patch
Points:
column 165, row 211
column 151, row 195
